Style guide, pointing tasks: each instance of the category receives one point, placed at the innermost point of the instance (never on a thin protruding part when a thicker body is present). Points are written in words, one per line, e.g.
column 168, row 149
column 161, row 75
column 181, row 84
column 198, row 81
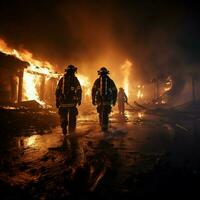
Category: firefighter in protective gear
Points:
column 104, row 95
column 68, row 95
column 121, row 100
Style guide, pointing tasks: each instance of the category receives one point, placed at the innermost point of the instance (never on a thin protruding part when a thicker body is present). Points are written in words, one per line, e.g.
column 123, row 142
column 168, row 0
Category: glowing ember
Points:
column 140, row 115
column 168, row 84
column 29, row 142
column 126, row 68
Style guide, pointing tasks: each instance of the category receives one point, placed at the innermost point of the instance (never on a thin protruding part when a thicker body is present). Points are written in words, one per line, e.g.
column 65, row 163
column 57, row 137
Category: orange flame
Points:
column 168, row 84
column 126, row 68
column 24, row 55
column 30, row 87
column 85, row 83
column 32, row 73
column 140, row 115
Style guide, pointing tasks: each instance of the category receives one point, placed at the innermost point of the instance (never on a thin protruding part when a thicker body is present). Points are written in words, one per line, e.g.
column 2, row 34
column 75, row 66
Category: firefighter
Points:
column 68, row 95
column 104, row 95
column 121, row 100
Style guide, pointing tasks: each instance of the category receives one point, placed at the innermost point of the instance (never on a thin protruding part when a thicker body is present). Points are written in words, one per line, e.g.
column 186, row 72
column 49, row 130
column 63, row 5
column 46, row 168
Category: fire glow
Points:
column 31, row 75
column 140, row 92
column 84, row 81
column 126, row 68
column 37, row 70
column 168, row 84
column 140, row 115
column 26, row 56
column 30, row 87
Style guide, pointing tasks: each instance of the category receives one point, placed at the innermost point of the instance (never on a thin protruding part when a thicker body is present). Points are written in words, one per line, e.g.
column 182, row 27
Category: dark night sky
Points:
column 156, row 35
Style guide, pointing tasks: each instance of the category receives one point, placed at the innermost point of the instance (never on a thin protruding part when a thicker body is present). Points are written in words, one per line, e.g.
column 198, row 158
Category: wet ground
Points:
column 141, row 155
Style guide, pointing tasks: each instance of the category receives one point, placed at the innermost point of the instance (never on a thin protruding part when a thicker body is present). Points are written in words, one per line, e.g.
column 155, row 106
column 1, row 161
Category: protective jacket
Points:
column 104, row 91
column 68, row 92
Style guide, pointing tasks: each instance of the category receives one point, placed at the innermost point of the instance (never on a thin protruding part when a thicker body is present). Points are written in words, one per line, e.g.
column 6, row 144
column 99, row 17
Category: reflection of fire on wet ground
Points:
column 83, row 163
column 51, row 167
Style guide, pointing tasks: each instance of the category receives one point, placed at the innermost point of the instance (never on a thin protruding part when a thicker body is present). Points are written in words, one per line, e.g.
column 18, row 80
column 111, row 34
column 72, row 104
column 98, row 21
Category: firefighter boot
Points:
column 104, row 122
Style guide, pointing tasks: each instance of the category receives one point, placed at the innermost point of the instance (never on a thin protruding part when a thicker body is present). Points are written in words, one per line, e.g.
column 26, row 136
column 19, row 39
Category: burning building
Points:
column 11, row 78
column 21, row 81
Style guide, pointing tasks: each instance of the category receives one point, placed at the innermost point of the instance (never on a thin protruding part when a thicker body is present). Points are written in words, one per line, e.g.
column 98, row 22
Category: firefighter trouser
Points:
column 104, row 111
column 68, row 117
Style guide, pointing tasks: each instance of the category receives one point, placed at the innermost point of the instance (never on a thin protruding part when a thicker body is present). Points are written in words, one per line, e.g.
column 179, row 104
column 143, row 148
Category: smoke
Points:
column 156, row 37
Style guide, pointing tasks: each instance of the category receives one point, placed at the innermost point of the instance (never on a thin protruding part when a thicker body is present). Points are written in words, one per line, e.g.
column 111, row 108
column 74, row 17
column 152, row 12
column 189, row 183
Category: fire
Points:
column 32, row 73
column 85, row 83
column 30, row 142
column 126, row 68
column 40, row 68
column 140, row 115
column 24, row 55
column 167, row 87
column 163, row 101
column 4, row 48
column 30, row 83
column 168, row 84
column 140, row 92
column 36, row 70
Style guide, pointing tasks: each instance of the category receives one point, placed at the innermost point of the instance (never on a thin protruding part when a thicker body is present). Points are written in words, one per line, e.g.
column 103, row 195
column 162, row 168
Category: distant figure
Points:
column 68, row 95
column 104, row 94
column 121, row 99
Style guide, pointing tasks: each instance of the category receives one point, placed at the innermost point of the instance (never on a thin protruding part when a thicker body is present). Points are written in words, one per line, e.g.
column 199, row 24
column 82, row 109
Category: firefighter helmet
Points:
column 103, row 70
column 71, row 69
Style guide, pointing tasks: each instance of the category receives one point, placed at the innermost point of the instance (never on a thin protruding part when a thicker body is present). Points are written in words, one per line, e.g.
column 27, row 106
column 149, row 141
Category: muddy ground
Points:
column 138, row 157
